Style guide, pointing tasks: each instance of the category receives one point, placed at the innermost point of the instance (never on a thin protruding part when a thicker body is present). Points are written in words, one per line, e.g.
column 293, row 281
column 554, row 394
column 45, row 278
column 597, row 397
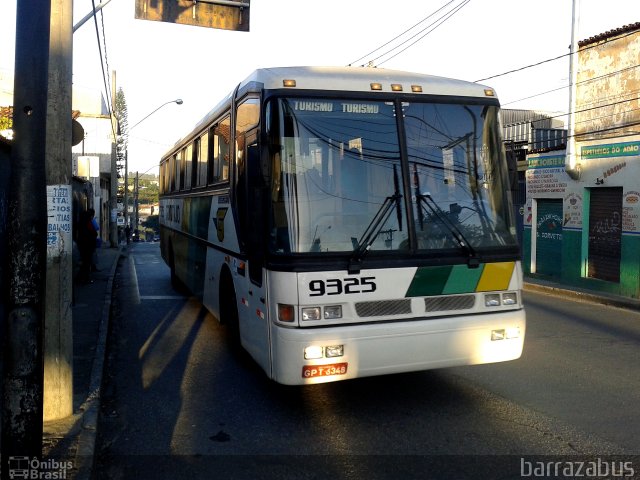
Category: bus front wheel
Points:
column 176, row 283
column 229, row 309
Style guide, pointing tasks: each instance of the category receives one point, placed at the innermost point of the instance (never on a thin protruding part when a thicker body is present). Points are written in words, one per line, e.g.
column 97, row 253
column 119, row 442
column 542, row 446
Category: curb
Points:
column 84, row 460
column 583, row 295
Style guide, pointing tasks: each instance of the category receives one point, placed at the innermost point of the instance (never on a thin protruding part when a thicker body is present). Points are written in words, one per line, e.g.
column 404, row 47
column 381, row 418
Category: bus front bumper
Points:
column 395, row 347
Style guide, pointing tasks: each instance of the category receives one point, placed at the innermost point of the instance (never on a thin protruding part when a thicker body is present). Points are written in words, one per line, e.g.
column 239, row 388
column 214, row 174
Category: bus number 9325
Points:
column 336, row 286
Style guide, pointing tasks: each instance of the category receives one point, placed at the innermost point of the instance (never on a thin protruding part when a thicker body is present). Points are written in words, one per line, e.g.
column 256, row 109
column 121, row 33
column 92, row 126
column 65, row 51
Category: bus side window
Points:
column 203, row 159
column 173, row 160
column 213, row 157
column 188, row 166
column 218, row 164
column 178, row 172
column 225, row 149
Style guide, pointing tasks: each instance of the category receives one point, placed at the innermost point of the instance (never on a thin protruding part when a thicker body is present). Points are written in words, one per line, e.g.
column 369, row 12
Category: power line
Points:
column 590, row 109
column 553, row 59
column 104, row 77
column 441, row 20
column 588, row 80
column 104, row 41
column 400, row 35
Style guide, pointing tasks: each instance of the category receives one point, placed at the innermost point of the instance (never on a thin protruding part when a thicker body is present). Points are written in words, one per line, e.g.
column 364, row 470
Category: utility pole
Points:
column 113, row 197
column 58, row 325
column 27, row 238
column 136, row 190
column 126, row 190
column 572, row 166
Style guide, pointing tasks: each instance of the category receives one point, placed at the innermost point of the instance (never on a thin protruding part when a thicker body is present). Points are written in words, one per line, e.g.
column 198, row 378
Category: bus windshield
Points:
column 337, row 177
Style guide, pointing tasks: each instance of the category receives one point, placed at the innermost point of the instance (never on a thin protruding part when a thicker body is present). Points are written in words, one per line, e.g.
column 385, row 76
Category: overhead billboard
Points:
column 222, row 14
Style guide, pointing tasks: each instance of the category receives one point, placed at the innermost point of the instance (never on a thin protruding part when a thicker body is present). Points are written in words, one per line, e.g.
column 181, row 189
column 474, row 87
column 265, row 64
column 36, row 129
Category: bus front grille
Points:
column 452, row 302
column 383, row 307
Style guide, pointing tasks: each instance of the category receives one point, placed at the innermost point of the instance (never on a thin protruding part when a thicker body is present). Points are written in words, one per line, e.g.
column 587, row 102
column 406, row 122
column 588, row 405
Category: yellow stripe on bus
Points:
column 495, row 276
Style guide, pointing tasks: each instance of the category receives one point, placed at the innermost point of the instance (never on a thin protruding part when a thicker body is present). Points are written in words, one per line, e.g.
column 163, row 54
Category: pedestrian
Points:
column 86, row 241
column 94, row 260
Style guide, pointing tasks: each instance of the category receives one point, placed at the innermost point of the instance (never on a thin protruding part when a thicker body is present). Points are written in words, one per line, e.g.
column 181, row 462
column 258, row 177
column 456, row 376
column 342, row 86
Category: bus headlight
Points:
column 506, row 299
column 492, row 300
column 311, row 313
column 334, row 351
column 509, row 298
column 332, row 312
column 505, row 333
column 512, row 332
column 313, row 352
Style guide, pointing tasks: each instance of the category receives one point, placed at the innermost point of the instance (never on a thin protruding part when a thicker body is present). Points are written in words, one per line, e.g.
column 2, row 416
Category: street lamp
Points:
column 177, row 101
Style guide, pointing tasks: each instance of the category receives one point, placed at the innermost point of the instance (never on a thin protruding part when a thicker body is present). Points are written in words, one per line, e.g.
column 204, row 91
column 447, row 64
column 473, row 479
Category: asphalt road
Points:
column 179, row 403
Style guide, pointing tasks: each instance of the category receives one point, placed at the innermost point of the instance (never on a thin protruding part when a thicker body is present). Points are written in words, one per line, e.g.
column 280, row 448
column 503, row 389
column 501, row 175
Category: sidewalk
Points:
column 73, row 439
column 536, row 284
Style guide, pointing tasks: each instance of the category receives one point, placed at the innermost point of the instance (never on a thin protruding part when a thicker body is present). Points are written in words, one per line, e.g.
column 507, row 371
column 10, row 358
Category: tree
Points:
column 147, row 193
column 123, row 128
column 5, row 123
column 123, row 124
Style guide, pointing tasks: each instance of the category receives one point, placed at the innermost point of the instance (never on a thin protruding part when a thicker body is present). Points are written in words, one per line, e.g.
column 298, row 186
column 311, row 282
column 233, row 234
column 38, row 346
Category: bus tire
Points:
column 176, row 283
column 229, row 309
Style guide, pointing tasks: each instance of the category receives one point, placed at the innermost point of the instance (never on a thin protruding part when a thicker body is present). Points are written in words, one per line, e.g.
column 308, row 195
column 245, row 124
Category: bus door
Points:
column 252, row 202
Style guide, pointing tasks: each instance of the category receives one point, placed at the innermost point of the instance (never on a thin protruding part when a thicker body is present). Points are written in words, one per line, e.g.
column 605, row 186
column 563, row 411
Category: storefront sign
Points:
column 610, row 150
column 631, row 211
column 572, row 211
column 546, row 176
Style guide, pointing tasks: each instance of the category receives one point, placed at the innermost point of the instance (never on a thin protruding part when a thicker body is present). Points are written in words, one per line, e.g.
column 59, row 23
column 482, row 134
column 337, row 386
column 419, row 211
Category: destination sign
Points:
column 343, row 107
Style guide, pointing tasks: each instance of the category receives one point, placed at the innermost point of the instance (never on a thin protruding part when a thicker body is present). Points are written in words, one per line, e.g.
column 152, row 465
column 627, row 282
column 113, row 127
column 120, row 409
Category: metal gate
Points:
column 605, row 234
column 549, row 237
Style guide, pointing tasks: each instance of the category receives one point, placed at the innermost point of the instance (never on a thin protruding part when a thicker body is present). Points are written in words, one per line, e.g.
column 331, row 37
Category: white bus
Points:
column 349, row 222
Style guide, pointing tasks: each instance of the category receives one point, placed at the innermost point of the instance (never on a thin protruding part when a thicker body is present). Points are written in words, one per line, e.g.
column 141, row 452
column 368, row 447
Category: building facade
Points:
column 582, row 212
column 92, row 156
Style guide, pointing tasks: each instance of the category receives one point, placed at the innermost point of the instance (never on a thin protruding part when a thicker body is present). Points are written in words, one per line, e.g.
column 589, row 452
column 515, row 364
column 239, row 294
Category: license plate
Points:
column 309, row 371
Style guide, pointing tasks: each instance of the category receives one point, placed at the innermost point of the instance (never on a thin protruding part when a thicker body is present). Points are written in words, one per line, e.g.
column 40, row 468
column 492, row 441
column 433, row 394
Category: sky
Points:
column 158, row 62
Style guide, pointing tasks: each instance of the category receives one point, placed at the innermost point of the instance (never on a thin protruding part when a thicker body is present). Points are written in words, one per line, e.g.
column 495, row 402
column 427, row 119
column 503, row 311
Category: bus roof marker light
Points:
column 396, row 87
column 376, row 86
column 416, row 88
column 288, row 82
column 489, row 92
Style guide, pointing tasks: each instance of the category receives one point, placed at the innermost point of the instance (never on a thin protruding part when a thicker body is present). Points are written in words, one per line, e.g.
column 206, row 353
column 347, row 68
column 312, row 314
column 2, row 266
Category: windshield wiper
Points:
column 429, row 206
column 425, row 201
column 362, row 246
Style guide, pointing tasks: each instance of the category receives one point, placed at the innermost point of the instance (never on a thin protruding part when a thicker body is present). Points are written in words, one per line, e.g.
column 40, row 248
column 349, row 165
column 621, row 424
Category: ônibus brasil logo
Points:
column 22, row 467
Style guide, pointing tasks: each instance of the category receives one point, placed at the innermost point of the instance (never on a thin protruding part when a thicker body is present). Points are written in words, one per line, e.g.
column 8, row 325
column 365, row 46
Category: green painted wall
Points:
column 574, row 264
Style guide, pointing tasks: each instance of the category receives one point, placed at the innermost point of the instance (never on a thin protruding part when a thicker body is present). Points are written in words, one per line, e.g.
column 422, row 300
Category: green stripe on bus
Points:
column 429, row 281
column 463, row 279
